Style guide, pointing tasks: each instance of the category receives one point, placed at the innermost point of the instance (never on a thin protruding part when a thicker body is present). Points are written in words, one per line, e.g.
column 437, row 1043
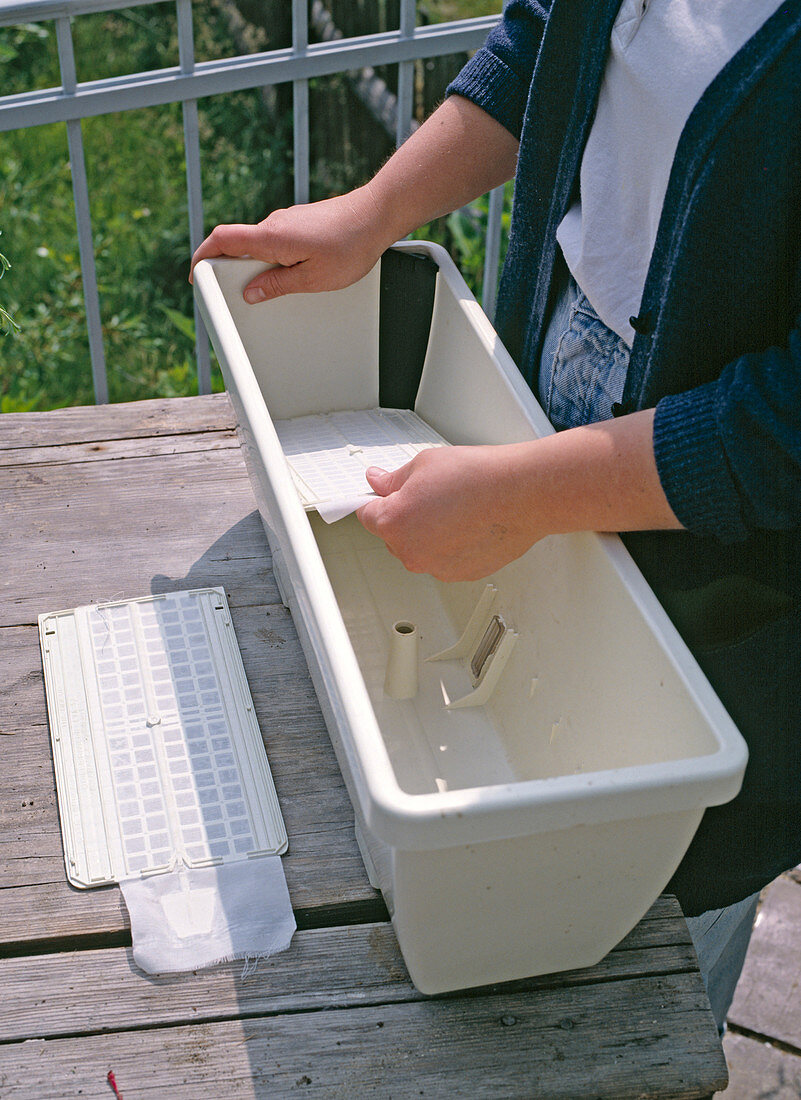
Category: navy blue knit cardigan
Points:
column 717, row 351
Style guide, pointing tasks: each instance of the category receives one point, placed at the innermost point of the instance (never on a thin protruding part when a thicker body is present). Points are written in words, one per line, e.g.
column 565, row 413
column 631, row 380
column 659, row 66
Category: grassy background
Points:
column 137, row 187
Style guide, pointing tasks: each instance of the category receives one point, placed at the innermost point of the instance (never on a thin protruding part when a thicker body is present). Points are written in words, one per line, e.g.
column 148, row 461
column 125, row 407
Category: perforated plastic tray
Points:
column 328, row 453
column 157, row 751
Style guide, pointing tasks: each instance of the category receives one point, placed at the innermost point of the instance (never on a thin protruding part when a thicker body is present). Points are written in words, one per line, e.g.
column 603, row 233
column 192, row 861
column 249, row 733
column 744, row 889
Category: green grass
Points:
column 137, row 189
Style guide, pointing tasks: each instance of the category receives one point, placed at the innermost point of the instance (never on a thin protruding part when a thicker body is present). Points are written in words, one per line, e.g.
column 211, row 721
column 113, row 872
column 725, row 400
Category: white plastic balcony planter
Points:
column 523, row 799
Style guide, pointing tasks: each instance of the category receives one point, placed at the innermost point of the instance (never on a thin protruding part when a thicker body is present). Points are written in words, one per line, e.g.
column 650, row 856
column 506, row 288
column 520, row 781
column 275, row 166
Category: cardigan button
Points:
column 643, row 323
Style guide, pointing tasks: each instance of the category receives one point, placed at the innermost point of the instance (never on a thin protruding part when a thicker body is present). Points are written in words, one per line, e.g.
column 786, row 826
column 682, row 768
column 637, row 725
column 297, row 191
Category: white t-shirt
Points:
column 664, row 54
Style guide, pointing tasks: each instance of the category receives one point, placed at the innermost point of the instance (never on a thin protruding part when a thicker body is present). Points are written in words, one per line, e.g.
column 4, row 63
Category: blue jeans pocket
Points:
column 583, row 366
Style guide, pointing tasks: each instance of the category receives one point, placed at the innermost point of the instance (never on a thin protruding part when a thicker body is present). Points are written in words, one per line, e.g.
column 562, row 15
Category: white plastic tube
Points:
column 401, row 678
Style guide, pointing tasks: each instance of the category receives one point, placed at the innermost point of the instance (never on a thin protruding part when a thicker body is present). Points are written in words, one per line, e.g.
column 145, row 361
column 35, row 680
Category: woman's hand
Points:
column 461, row 513
column 322, row 246
column 452, row 512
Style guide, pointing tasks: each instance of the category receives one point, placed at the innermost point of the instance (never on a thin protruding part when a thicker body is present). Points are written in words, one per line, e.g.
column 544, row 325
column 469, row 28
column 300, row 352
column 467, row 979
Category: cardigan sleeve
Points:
column 498, row 76
column 728, row 453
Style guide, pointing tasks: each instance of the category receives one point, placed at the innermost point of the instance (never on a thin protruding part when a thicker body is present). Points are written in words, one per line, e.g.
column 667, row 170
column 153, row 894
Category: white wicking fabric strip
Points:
column 191, row 918
column 338, row 509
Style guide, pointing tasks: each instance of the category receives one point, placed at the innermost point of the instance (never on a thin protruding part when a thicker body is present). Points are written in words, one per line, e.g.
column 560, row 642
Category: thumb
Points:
column 384, row 482
column 274, row 283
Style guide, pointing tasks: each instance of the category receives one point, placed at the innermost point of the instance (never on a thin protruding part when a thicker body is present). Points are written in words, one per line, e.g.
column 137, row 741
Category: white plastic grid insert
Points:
column 157, row 751
column 329, row 452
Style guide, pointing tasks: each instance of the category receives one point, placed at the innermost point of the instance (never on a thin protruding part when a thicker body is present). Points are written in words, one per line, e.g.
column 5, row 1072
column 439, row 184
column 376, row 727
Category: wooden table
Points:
column 128, row 500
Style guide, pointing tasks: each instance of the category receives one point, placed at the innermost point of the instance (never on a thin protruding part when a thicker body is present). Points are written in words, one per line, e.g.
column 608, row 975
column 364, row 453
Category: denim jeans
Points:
column 721, row 939
column 583, row 364
column 581, row 375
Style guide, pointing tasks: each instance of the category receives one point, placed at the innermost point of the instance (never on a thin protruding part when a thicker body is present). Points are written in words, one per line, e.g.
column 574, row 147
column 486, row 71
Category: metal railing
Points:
column 190, row 80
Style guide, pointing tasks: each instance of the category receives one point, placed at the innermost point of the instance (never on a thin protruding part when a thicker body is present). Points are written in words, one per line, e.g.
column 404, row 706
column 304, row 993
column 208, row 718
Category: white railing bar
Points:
column 300, row 103
column 66, row 56
column 186, row 39
column 492, row 251
column 194, row 184
column 408, row 21
column 80, row 192
column 36, row 11
column 237, row 73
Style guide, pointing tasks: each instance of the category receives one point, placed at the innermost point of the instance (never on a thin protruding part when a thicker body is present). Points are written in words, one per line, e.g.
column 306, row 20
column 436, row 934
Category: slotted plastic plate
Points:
column 157, row 751
column 328, row 453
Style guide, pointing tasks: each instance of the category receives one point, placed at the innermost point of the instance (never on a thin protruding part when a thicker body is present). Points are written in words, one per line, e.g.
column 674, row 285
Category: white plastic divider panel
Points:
column 329, row 453
column 157, row 752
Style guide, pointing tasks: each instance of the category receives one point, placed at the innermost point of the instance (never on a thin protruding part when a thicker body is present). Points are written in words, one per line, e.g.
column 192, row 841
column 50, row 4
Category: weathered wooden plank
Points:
column 111, row 450
column 63, row 994
column 21, row 687
column 759, row 1071
column 85, row 578
column 663, row 924
column 84, row 533
column 66, row 994
column 639, row 1039
column 132, row 477
column 768, row 995
column 48, row 912
column 127, row 420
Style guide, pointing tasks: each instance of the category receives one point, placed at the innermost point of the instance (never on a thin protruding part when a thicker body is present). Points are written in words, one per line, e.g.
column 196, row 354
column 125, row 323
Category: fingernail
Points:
column 255, row 294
